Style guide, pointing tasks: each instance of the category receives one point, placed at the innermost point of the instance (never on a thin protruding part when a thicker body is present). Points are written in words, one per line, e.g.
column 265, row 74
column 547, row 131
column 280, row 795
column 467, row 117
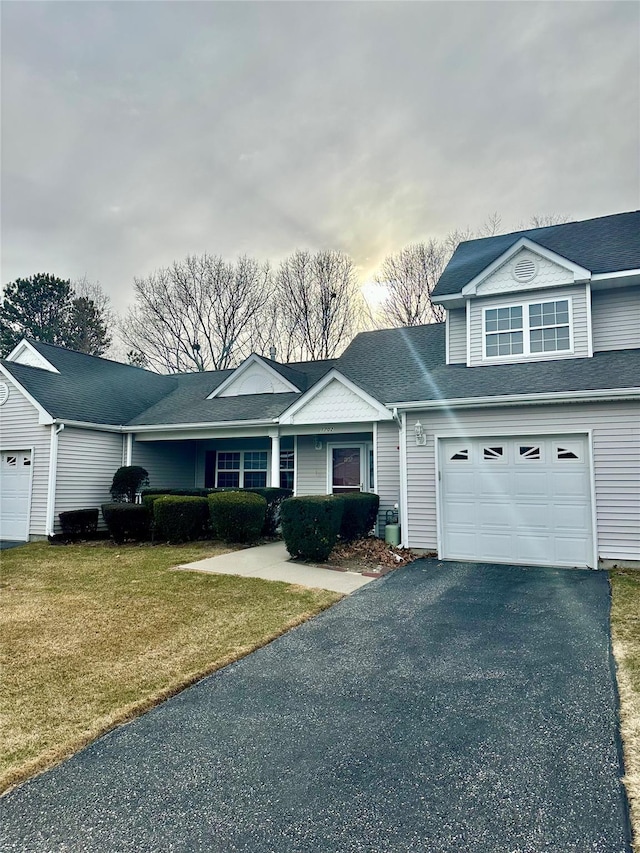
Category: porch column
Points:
column 275, row 458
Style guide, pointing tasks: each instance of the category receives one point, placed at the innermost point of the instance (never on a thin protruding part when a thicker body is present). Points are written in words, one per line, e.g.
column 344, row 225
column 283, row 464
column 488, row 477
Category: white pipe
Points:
column 53, row 471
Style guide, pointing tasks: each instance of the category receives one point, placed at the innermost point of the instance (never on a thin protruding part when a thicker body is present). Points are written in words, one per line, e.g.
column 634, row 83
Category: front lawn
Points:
column 625, row 629
column 94, row 634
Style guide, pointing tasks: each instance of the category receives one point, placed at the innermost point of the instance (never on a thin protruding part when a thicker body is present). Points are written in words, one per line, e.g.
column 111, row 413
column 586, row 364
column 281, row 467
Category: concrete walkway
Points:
column 272, row 563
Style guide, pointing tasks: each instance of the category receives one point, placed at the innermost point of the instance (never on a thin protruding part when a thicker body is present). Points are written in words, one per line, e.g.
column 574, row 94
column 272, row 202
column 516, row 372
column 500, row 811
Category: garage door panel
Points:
column 498, row 544
column 573, row 517
column 530, row 483
column 460, row 483
column 462, row 512
column 493, row 482
column 531, row 503
column 569, row 484
column 531, row 548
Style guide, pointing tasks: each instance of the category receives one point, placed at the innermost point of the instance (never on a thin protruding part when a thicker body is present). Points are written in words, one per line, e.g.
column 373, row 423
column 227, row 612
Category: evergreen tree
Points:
column 46, row 308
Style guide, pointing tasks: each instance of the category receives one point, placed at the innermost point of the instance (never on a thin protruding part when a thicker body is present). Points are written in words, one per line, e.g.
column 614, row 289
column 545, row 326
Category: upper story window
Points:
column 527, row 329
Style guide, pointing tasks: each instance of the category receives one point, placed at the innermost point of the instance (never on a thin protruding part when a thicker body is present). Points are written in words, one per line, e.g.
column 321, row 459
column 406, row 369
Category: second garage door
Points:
column 516, row 500
column 15, row 492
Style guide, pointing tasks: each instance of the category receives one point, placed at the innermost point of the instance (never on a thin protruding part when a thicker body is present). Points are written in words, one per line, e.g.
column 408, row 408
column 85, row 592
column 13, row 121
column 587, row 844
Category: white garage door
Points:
column 517, row 500
column 15, row 494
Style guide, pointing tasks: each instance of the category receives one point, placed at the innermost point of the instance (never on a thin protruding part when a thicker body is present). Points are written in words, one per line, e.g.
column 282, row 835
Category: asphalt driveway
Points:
column 447, row 707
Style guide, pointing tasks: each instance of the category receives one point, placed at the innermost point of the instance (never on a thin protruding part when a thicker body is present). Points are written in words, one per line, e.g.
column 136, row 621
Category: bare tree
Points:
column 409, row 277
column 319, row 303
column 198, row 314
column 543, row 220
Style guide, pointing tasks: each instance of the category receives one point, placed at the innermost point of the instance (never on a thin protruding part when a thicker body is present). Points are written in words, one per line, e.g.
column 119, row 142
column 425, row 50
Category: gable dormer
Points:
column 254, row 376
column 26, row 353
column 529, row 304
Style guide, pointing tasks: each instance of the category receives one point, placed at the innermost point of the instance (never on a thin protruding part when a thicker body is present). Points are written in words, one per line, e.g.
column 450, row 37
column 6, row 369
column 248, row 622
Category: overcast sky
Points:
column 136, row 133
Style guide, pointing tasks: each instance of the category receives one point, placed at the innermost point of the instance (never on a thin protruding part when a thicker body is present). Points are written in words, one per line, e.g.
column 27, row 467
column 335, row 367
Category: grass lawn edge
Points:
column 49, row 759
column 625, row 651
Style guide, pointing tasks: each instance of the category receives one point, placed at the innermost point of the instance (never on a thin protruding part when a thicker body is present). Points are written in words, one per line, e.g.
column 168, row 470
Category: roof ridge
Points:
column 37, row 343
column 547, row 227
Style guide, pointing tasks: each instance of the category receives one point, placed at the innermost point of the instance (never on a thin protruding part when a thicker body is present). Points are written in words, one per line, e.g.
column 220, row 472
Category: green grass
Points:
column 93, row 635
column 625, row 631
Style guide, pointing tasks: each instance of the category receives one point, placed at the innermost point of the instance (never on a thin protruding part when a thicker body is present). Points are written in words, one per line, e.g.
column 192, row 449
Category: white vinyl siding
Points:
column 87, row 461
column 311, row 466
column 616, row 450
column 387, row 484
column 171, row 464
column 20, row 430
column 615, row 316
column 457, row 319
column 577, row 295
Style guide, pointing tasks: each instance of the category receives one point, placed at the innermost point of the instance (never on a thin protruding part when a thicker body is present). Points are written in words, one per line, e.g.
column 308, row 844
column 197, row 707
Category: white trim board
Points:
column 44, row 416
column 36, row 360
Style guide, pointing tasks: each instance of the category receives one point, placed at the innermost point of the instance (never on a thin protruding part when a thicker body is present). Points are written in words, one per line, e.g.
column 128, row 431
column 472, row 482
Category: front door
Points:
column 346, row 469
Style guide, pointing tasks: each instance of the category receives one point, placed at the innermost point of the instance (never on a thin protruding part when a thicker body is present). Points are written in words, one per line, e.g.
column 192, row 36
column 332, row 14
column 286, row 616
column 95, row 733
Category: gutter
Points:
column 595, row 396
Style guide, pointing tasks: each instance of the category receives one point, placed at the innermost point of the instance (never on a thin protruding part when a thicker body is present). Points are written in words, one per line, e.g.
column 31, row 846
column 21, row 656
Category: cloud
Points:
column 135, row 133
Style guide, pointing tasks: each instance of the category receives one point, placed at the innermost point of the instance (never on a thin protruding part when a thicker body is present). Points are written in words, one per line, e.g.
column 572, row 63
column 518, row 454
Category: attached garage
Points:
column 15, row 493
column 516, row 499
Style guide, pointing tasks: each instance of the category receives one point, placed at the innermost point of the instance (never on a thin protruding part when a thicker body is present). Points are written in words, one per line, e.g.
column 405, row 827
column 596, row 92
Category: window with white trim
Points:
column 529, row 329
column 241, row 469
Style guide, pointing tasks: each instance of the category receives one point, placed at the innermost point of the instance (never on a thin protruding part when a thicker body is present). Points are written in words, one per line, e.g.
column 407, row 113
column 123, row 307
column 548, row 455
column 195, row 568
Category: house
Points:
column 509, row 433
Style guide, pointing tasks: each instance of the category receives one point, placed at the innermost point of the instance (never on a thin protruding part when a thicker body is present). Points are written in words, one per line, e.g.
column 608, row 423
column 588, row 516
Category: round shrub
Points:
column 127, row 521
column 310, row 525
column 179, row 518
column 127, row 482
column 359, row 516
column 237, row 516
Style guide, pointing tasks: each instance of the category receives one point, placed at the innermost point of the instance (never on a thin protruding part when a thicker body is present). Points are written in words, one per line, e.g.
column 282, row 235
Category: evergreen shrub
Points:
column 127, row 482
column 237, row 516
column 310, row 525
column 359, row 516
column 79, row 523
column 127, row 521
column 179, row 518
column 274, row 498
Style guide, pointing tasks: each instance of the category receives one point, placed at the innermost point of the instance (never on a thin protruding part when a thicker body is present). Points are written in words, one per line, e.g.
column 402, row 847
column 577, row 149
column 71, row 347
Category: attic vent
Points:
column 525, row 269
column 4, row 393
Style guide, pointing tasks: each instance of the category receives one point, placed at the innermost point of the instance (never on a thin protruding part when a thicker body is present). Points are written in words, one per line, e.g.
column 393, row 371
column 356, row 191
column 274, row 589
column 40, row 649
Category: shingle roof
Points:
column 405, row 365
column 393, row 365
column 605, row 244
column 188, row 403
column 89, row 388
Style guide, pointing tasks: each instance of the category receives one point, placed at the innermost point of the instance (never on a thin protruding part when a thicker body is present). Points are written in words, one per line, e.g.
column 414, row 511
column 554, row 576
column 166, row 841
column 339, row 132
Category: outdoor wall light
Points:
column 421, row 438
column 318, row 443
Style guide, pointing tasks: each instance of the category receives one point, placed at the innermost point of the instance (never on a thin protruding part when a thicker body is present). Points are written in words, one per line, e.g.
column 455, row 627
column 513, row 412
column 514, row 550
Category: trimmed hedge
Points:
column 359, row 516
column 127, row 521
column 179, row 518
column 237, row 516
column 185, row 493
column 310, row 525
column 79, row 523
column 274, row 498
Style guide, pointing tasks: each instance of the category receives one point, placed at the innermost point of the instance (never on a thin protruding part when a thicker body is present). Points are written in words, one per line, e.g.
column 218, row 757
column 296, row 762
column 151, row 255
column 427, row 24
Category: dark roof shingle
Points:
column 605, row 244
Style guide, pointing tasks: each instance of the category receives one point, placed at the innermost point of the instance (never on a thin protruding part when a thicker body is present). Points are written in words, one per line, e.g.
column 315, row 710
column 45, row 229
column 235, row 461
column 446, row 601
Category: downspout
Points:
column 404, row 491
column 56, row 429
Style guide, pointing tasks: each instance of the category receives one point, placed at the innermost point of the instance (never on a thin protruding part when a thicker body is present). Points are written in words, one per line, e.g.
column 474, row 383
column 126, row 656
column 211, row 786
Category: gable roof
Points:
column 188, row 402
column 602, row 245
column 87, row 388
